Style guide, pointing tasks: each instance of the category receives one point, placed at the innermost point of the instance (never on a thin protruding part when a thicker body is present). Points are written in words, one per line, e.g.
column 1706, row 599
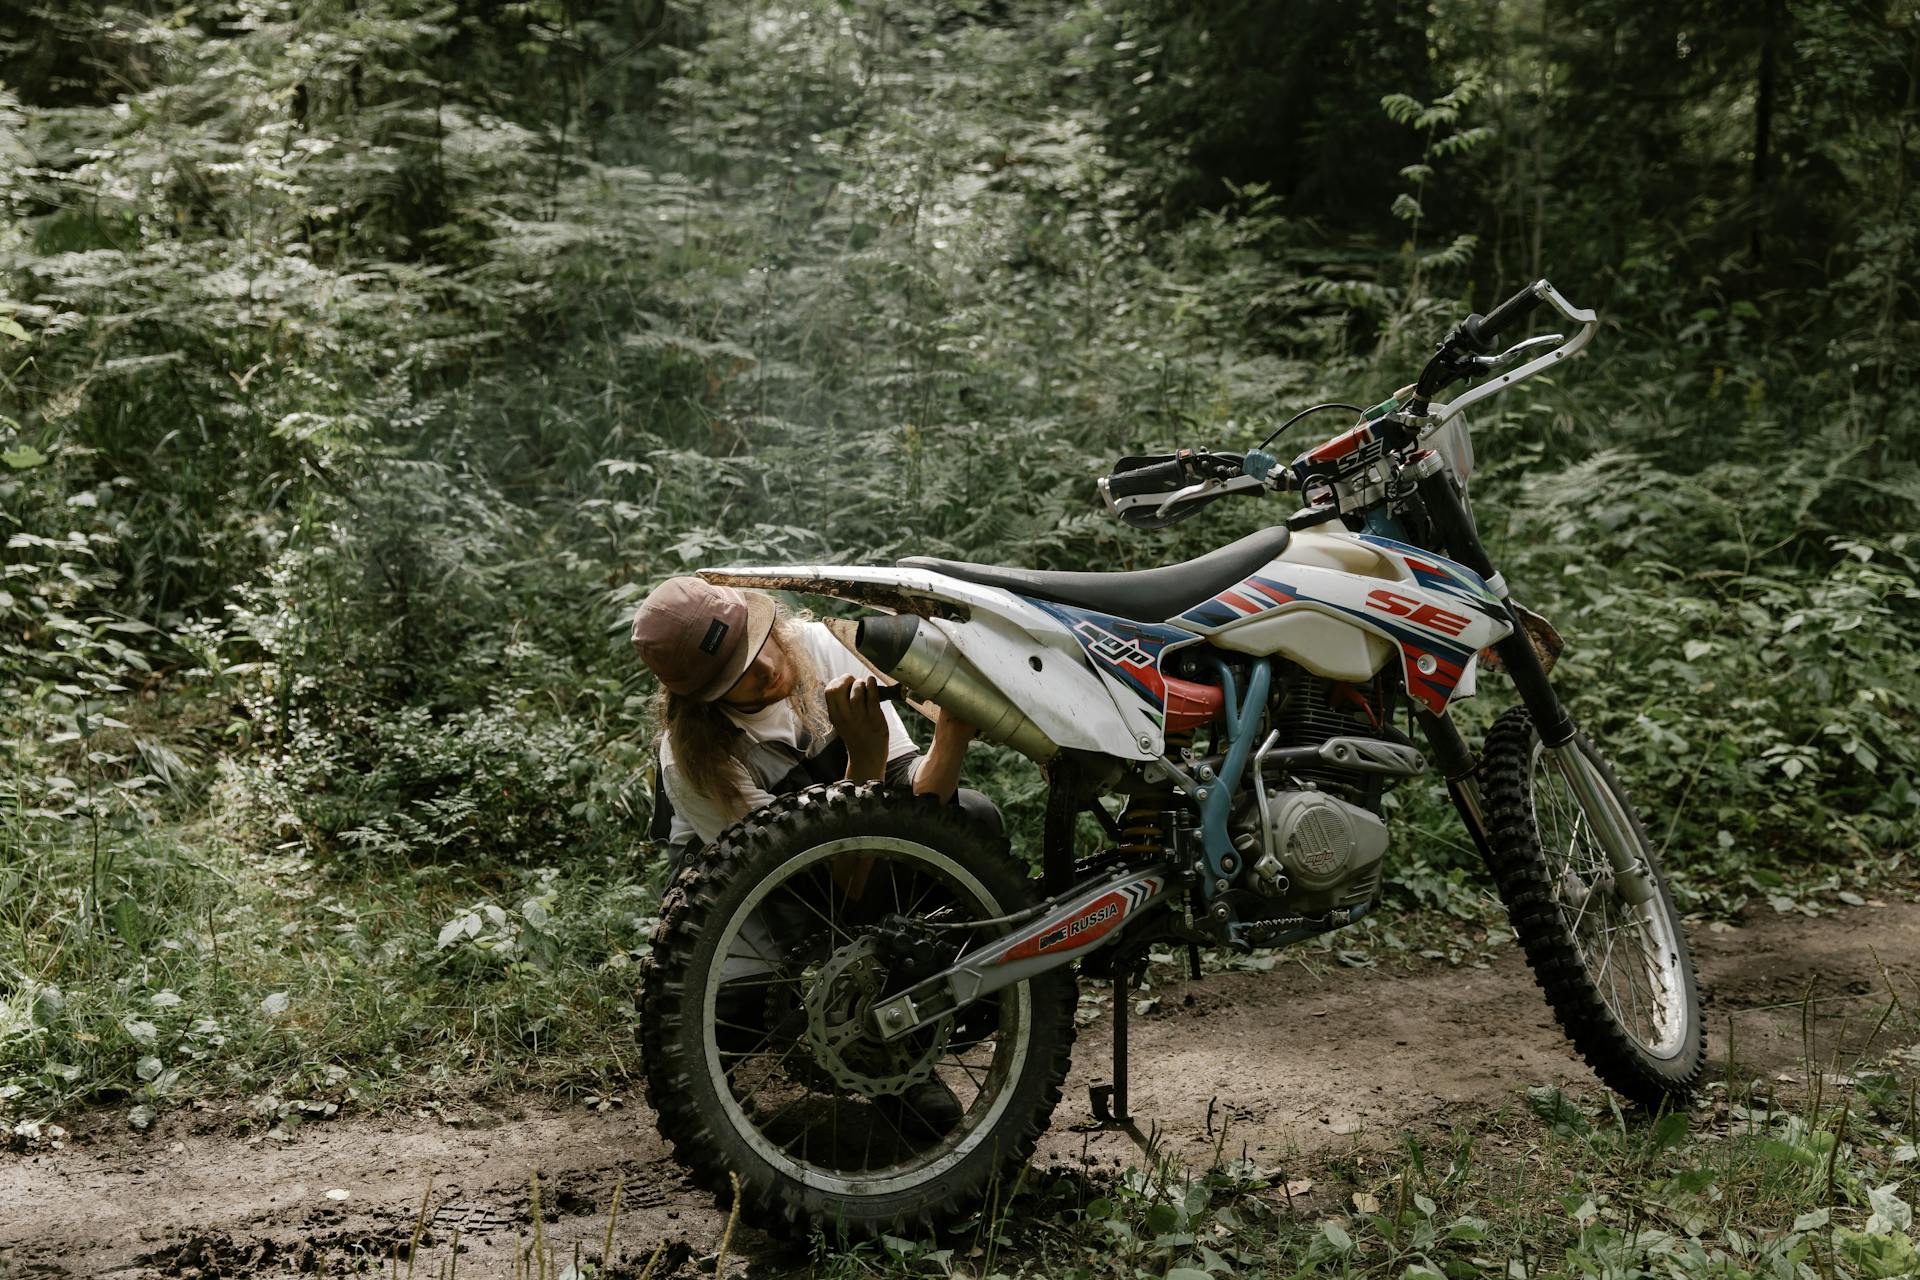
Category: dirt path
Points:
column 1294, row 1062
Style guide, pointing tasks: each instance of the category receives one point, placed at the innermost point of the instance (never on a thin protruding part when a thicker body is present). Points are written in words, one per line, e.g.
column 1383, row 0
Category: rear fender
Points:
column 1024, row 651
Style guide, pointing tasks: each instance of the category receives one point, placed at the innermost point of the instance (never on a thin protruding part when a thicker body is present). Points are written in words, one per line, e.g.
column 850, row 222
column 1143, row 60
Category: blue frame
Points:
column 1243, row 721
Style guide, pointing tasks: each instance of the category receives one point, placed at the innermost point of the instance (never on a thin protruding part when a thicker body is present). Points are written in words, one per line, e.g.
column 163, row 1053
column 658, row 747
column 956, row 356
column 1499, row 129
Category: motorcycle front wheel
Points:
column 759, row 1057
column 1616, row 973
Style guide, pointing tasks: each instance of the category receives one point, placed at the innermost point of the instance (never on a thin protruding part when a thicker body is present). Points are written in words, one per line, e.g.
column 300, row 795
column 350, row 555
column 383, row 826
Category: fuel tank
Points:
column 1342, row 605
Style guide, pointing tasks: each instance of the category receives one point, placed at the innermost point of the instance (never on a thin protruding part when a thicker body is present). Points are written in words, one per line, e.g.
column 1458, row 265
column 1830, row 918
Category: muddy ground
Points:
column 1296, row 1063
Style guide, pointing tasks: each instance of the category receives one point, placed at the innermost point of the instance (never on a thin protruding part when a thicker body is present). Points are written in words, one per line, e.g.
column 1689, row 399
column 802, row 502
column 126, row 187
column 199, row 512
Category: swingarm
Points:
column 1085, row 919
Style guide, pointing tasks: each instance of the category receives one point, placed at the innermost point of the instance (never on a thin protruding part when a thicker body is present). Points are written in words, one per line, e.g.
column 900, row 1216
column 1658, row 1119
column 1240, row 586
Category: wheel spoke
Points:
column 1625, row 949
column 977, row 1082
column 766, row 1036
column 733, row 983
column 772, row 1070
column 787, row 1094
column 824, row 917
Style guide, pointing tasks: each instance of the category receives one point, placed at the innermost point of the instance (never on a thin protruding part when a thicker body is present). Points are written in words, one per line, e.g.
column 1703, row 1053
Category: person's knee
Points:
column 980, row 809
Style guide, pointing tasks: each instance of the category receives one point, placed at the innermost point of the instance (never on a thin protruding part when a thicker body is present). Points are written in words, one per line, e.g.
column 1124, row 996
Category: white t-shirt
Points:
column 697, row 815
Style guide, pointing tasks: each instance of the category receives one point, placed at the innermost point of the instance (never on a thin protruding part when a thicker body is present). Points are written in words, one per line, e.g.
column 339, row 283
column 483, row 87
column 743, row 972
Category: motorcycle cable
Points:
column 1303, row 413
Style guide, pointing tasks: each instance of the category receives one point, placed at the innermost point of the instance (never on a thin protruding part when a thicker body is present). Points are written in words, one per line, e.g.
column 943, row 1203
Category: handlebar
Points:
column 1154, row 491
column 1176, row 471
column 1459, row 355
column 1479, row 331
column 1157, row 477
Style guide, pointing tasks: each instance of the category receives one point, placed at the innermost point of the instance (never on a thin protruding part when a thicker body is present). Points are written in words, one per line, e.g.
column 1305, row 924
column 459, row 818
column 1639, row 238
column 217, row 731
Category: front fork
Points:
column 1453, row 526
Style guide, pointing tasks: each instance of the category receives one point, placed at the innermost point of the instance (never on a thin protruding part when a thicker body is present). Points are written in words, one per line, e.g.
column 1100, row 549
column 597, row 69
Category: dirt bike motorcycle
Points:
column 846, row 949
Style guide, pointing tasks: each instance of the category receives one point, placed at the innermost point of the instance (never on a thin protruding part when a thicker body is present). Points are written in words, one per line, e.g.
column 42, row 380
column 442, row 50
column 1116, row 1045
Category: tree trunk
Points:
column 1763, row 96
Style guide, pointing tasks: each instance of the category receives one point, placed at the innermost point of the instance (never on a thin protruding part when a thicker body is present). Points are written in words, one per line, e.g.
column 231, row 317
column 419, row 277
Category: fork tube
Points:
column 1454, row 525
column 1458, row 766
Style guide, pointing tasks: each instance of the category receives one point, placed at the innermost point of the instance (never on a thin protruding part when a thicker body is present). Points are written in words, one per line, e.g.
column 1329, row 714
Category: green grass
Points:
column 224, row 955
column 1749, row 1182
column 210, row 965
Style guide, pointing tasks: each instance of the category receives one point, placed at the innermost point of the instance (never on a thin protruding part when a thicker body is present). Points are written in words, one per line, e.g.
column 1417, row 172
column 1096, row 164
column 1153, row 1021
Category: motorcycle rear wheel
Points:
column 1618, row 976
column 752, row 1011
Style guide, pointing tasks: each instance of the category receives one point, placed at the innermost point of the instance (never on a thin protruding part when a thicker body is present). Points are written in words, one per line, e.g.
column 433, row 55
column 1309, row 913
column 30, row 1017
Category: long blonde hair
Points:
column 706, row 743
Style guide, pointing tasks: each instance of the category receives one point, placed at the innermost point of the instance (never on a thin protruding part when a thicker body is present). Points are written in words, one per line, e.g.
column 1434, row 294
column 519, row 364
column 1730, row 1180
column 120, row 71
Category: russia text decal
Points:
column 1088, row 924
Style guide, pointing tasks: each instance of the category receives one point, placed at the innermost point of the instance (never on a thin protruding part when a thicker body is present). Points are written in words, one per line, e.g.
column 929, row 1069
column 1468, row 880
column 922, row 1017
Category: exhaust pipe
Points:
column 924, row 660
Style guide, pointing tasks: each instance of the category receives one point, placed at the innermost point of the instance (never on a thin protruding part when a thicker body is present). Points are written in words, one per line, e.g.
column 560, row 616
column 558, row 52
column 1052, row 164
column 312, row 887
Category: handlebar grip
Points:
column 1480, row 331
column 1159, row 477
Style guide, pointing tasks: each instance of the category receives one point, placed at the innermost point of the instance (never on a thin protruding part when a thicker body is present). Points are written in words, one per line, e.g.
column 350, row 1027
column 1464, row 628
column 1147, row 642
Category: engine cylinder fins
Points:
column 920, row 656
column 1313, row 711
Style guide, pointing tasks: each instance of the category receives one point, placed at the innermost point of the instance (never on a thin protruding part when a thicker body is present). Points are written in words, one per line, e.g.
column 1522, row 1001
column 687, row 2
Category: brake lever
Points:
column 1181, row 495
column 1203, row 488
column 1512, row 355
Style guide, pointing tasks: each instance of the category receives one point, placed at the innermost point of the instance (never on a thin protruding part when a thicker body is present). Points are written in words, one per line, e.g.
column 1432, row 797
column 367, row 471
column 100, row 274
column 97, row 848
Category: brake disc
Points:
column 842, row 993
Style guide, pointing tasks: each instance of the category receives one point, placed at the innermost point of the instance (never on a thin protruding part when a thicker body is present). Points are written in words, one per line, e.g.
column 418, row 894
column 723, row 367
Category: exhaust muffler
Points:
column 924, row 660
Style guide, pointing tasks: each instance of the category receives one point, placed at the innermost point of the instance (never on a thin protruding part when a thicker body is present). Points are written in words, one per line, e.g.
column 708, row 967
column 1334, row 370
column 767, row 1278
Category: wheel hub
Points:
column 840, row 994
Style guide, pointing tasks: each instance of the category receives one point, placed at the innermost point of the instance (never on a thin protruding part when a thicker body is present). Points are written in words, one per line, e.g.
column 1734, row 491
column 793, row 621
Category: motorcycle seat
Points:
column 1145, row 595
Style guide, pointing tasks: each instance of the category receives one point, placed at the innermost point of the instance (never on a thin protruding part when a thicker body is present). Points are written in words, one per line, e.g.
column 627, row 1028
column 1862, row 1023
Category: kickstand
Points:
column 1109, row 1101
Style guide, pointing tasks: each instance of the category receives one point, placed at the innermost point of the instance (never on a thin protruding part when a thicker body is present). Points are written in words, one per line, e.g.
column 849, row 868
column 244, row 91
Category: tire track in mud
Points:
column 1294, row 1064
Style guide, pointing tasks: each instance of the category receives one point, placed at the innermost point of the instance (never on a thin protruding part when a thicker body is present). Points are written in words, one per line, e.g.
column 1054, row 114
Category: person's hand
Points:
column 853, row 705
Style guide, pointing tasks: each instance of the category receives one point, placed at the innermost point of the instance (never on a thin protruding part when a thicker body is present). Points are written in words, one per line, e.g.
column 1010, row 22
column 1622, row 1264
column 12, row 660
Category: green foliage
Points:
column 1735, row 1189
column 364, row 364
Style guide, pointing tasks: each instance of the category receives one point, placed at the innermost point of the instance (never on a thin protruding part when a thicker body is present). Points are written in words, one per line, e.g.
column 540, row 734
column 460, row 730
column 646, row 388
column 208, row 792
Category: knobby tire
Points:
column 1526, row 885
column 680, row 1087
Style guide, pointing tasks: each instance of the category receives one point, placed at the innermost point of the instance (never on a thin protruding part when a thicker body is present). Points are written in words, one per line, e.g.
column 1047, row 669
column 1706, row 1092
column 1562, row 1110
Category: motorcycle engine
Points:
column 1315, row 853
column 1322, row 845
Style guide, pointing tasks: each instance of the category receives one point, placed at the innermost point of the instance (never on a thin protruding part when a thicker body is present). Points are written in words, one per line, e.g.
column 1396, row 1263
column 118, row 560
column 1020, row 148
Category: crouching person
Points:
column 756, row 703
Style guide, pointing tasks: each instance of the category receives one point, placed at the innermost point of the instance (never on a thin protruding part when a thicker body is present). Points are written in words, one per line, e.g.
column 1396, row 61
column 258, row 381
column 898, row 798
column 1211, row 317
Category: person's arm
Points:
column 939, row 771
column 882, row 748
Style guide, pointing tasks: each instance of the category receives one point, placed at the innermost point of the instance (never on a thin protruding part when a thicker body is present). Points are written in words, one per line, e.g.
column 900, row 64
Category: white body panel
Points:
column 1330, row 549
column 1323, row 644
column 1339, row 604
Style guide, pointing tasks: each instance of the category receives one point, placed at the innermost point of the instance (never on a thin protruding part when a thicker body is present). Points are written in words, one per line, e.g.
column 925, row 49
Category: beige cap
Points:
column 699, row 637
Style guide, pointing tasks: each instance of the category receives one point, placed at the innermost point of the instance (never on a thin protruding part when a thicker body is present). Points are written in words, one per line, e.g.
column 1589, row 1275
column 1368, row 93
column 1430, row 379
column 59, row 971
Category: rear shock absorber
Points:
column 1143, row 827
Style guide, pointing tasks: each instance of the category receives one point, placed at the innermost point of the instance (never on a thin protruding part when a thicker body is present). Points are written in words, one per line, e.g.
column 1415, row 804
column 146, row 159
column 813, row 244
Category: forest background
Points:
column 363, row 363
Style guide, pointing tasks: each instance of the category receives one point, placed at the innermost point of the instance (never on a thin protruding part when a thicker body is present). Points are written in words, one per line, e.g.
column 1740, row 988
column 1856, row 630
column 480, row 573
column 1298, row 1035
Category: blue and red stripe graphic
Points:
column 1128, row 650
